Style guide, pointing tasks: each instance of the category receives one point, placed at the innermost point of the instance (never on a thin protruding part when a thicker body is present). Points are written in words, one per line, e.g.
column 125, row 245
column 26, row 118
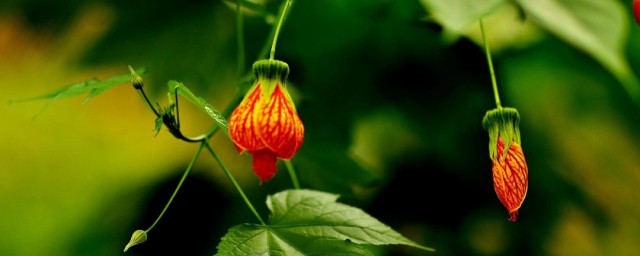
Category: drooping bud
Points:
column 510, row 171
column 266, row 123
column 138, row 237
column 136, row 80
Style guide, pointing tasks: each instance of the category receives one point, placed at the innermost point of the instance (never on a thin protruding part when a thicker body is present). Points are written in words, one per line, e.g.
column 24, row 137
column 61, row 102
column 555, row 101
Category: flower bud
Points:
column 138, row 237
column 136, row 80
column 510, row 171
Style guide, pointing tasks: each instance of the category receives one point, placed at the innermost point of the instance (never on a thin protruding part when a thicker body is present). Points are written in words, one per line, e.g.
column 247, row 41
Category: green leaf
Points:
column 250, row 239
column 93, row 87
column 307, row 222
column 157, row 125
column 456, row 15
column 201, row 103
column 597, row 27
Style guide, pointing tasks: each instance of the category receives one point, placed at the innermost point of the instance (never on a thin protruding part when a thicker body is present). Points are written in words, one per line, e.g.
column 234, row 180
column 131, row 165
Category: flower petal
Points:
column 510, row 177
column 264, row 164
column 299, row 127
column 278, row 124
column 241, row 123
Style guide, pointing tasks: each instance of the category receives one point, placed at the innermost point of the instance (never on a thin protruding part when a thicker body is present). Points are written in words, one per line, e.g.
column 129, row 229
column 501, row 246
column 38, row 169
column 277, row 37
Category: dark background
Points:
column 392, row 112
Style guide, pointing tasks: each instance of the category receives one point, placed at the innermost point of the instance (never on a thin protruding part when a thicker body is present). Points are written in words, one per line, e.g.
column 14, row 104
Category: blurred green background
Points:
column 392, row 103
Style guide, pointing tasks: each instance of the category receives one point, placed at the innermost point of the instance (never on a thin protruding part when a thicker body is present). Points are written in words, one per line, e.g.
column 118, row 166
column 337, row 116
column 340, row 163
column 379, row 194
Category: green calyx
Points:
column 268, row 73
column 502, row 123
column 271, row 69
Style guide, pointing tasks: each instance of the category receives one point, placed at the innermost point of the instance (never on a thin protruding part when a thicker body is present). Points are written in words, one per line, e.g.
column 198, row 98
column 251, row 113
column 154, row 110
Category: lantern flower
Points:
column 510, row 172
column 266, row 123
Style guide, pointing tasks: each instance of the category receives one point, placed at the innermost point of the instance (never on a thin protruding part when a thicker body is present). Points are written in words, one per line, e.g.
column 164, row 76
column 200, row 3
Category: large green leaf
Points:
column 595, row 26
column 456, row 15
column 307, row 222
column 250, row 239
column 92, row 87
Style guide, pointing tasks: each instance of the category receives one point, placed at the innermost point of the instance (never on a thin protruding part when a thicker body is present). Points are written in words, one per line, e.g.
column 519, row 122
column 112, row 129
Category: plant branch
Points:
column 275, row 36
column 146, row 99
column 487, row 50
column 292, row 173
column 175, row 192
column 235, row 183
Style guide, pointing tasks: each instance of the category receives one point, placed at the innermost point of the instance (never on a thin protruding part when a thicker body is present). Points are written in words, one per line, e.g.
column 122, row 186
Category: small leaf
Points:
column 138, row 237
column 109, row 83
column 597, row 27
column 201, row 103
column 92, row 87
column 158, row 126
column 306, row 222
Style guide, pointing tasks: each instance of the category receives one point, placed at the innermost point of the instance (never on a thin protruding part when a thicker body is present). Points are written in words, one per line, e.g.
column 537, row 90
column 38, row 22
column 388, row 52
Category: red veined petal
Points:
column 510, row 178
column 278, row 124
column 241, row 122
column 264, row 164
column 299, row 128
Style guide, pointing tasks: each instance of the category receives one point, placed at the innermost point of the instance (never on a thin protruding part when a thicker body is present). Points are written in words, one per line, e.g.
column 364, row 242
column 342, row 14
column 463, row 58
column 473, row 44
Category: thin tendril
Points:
column 175, row 192
column 144, row 95
column 235, row 184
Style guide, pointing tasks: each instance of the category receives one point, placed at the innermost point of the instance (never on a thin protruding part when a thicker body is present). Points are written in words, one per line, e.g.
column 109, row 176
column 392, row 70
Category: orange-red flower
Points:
column 266, row 123
column 510, row 172
column 510, row 177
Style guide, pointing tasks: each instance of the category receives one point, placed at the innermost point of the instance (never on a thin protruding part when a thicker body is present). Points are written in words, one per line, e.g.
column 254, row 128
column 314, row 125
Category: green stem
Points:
column 235, row 184
column 493, row 75
column 292, row 173
column 175, row 192
column 146, row 99
column 227, row 112
column 240, row 38
column 275, row 36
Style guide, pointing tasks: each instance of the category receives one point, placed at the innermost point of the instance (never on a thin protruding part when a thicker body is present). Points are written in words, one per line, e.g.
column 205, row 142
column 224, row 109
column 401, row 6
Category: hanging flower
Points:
column 510, row 172
column 266, row 123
